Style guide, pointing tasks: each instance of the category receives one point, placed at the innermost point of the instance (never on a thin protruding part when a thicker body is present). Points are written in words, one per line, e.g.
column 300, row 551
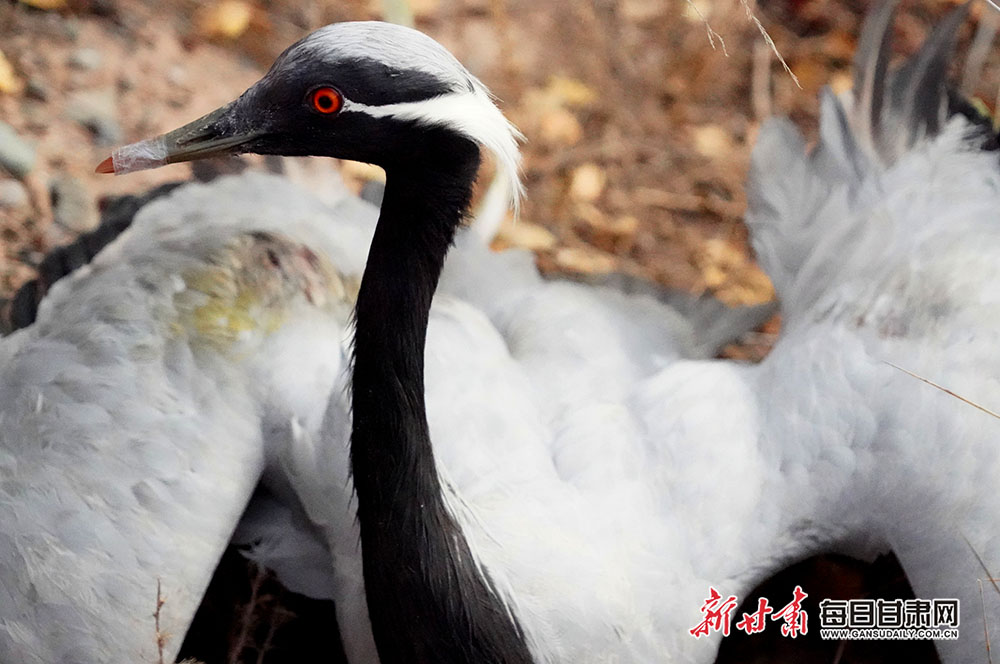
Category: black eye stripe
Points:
column 369, row 82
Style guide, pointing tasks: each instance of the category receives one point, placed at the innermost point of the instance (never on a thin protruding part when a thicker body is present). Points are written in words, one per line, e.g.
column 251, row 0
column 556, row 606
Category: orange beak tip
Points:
column 106, row 166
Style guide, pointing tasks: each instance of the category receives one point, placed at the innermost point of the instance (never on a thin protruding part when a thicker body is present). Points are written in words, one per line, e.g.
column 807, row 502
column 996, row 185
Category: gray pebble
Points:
column 13, row 195
column 86, row 59
column 71, row 29
column 73, row 207
column 17, row 156
column 373, row 191
column 36, row 89
column 95, row 110
column 177, row 75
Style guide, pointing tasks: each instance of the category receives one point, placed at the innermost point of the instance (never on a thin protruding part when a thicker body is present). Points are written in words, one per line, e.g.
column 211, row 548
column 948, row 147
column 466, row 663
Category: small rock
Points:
column 36, row 89
column 86, row 59
column 125, row 83
column 13, row 195
column 35, row 118
column 95, row 110
column 70, row 26
column 177, row 75
column 373, row 191
column 73, row 207
column 17, row 156
column 206, row 170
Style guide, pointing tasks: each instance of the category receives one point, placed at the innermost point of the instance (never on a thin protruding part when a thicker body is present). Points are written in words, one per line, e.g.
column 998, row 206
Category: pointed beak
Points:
column 209, row 136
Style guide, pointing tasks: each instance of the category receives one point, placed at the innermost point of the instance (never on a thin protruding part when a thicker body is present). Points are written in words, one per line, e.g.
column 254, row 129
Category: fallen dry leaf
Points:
column 623, row 226
column 841, row 82
column 225, row 20
column 746, row 288
column 641, row 11
column 45, row 5
column 731, row 276
column 585, row 260
column 424, row 8
column 559, row 126
column 697, row 11
column 587, row 182
column 548, row 110
column 9, row 82
column 613, row 234
column 811, row 74
column 711, row 141
column 523, row 235
column 840, row 44
column 570, row 91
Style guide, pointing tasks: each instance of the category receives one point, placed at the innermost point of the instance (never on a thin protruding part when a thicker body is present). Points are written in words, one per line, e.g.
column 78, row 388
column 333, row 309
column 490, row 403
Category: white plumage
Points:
column 135, row 413
column 605, row 493
column 135, row 430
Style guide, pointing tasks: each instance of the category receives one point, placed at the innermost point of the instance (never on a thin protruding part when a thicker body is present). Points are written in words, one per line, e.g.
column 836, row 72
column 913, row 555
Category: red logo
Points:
column 716, row 613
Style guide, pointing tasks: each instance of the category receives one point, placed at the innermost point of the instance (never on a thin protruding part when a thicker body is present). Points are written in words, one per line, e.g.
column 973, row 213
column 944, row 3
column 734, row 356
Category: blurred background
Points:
column 639, row 115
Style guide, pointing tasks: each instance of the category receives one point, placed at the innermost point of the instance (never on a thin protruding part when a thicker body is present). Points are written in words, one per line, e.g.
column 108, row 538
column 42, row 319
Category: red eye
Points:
column 326, row 100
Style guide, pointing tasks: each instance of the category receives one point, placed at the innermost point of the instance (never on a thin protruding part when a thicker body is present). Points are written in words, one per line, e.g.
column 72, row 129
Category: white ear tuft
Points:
column 501, row 141
column 471, row 113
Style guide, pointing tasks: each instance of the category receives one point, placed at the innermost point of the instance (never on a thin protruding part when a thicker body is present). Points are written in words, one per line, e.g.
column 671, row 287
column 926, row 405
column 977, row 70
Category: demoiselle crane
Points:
column 588, row 525
column 222, row 321
column 852, row 477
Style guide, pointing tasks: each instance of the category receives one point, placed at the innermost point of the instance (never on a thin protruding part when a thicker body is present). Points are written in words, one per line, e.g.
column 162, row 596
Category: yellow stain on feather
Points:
column 246, row 290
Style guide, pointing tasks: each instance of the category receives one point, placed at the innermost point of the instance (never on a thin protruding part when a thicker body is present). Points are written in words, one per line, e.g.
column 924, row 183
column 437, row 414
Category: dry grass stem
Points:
column 760, row 87
column 161, row 637
column 982, row 563
column 946, row 391
column 986, row 629
column 242, row 640
column 769, row 41
column 712, row 34
column 279, row 617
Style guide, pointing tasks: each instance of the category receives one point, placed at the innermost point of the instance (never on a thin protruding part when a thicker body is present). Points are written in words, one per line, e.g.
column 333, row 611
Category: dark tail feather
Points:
column 800, row 207
column 892, row 112
column 870, row 64
column 920, row 87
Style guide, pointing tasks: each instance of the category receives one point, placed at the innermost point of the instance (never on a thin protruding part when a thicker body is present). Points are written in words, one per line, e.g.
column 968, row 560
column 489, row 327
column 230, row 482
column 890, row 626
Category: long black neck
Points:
column 427, row 600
